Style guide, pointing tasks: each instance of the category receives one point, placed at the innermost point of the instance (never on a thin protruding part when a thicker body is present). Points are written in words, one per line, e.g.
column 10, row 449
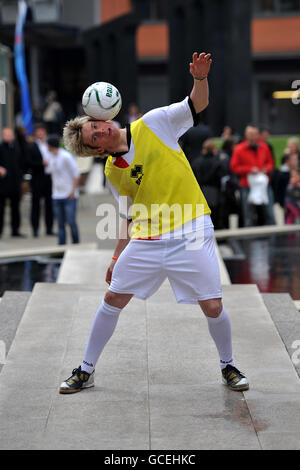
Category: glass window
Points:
column 265, row 6
column 289, row 5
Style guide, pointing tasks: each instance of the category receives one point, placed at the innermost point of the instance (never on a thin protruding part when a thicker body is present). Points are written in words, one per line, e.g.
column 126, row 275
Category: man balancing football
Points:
column 147, row 165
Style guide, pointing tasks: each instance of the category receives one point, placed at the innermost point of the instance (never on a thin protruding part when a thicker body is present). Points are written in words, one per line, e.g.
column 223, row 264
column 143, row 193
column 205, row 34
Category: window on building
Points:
column 269, row 7
column 265, row 6
column 158, row 9
column 151, row 9
column 289, row 5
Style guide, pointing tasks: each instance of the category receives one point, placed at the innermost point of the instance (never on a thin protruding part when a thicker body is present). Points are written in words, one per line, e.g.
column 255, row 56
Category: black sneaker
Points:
column 234, row 379
column 78, row 380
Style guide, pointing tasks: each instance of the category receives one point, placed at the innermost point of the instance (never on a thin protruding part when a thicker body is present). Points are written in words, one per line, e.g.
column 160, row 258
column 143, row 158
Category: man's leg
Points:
column 15, row 212
column 247, row 210
column 104, row 324
column 59, row 212
column 219, row 328
column 70, row 211
column 49, row 216
column 2, row 209
column 35, row 211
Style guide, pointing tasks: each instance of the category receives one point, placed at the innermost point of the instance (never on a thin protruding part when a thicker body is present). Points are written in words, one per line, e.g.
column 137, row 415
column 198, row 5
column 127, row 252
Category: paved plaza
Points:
column 157, row 384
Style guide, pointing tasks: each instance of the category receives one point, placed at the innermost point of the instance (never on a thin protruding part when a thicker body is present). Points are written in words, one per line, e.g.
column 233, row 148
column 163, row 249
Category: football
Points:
column 101, row 101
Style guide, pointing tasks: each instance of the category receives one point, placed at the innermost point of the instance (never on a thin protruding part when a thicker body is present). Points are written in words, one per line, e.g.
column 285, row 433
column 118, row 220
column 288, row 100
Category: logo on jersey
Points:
column 137, row 172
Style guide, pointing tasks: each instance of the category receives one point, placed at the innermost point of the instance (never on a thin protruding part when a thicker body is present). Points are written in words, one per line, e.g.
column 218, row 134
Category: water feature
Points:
column 21, row 274
column 273, row 263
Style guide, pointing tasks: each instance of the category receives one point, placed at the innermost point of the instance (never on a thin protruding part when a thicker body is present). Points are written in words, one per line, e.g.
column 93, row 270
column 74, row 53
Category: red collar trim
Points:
column 120, row 162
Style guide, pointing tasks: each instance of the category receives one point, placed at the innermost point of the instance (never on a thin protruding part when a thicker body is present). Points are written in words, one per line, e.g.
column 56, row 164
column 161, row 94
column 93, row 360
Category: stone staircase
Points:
column 157, row 383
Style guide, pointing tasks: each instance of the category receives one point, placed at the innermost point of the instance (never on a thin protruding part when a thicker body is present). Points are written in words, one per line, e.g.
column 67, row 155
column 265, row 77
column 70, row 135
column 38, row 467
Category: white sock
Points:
column 104, row 324
column 220, row 331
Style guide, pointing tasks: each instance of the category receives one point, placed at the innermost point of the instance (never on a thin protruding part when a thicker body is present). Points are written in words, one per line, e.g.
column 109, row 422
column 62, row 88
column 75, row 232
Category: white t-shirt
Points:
column 168, row 123
column 63, row 170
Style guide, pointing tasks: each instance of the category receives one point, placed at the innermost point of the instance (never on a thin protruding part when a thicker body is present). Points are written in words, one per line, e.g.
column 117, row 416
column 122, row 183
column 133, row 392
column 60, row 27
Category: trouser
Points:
column 265, row 214
column 38, row 194
column 15, row 218
column 65, row 213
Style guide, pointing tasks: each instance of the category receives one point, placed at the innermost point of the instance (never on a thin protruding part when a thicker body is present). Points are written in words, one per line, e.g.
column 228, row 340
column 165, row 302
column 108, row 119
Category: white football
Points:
column 102, row 101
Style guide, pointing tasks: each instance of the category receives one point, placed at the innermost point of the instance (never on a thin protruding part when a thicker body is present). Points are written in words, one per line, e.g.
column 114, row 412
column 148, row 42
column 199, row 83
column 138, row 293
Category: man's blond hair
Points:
column 72, row 135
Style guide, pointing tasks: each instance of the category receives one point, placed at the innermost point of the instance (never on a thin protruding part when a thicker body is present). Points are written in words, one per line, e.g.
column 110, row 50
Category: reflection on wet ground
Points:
column 272, row 263
column 22, row 274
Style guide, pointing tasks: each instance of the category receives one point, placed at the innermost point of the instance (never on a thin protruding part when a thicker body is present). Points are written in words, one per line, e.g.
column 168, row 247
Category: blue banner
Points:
column 20, row 68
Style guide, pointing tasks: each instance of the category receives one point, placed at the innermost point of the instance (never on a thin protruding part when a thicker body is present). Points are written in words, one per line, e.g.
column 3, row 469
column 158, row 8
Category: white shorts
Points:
column 192, row 272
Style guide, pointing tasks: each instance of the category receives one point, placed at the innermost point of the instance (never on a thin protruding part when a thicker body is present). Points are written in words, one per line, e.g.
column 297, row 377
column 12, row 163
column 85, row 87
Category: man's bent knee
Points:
column 117, row 300
column 211, row 307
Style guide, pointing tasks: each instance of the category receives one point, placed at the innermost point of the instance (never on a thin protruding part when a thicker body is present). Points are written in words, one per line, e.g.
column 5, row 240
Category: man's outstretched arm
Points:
column 199, row 69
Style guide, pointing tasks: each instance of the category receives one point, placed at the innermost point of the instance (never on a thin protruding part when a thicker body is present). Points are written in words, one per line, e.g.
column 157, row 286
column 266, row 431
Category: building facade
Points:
column 145, row 46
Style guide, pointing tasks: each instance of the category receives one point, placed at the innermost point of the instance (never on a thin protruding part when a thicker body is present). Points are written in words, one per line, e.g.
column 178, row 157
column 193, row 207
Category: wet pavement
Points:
column 21, row 275
column 272, row 263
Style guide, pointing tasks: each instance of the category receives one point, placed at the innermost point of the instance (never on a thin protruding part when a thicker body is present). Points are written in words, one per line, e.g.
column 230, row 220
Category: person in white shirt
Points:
column 65, row 178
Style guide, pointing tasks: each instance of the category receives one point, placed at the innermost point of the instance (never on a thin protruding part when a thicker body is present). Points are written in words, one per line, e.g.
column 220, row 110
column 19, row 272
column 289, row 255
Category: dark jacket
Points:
column 208, row 170
column 11, row 160
column 36, row 168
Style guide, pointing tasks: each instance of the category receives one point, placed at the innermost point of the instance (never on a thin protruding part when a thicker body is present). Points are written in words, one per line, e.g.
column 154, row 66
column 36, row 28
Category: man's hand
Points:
column 255, row 170
column 2, row 171
column 109, row 271
column 200, row 66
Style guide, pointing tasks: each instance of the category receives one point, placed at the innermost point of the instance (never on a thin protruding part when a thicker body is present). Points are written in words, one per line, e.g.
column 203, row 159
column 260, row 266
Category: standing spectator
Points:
column 53, row 114
column 292, row 162
column 227, row 133
column 65, row 178
column 208, row 171
column 11, row 175
column 133, row 113
column 251, row 157
column 265, row 137
column 292, row 199
column 192, row 141
column 230, row 201
column 292, row 147
column 41, row 185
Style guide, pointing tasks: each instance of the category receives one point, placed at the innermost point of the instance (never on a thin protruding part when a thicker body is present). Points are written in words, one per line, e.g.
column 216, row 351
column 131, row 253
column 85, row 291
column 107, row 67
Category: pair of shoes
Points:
column 234, row 379
column 17, row 234
column 51, row 234
column 78, row 380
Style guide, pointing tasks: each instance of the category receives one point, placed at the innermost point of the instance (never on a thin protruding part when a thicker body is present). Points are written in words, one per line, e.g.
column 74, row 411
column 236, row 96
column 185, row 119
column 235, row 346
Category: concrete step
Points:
column 84, row 266
column 12, row 307
column 158, row 383
column 286, row 318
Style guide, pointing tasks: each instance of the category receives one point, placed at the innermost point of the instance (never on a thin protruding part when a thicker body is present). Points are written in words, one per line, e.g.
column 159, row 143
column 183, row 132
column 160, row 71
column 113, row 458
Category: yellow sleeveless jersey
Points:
column 161, row 184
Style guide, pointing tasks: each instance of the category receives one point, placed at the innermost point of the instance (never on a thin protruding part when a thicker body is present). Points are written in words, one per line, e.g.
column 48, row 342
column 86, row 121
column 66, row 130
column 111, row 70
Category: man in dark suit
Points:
column 11, row 175
column 41, row 184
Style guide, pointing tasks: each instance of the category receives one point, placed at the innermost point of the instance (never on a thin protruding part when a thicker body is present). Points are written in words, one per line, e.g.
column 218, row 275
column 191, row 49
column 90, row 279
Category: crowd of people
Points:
column 240, row 177
column 54, row 179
